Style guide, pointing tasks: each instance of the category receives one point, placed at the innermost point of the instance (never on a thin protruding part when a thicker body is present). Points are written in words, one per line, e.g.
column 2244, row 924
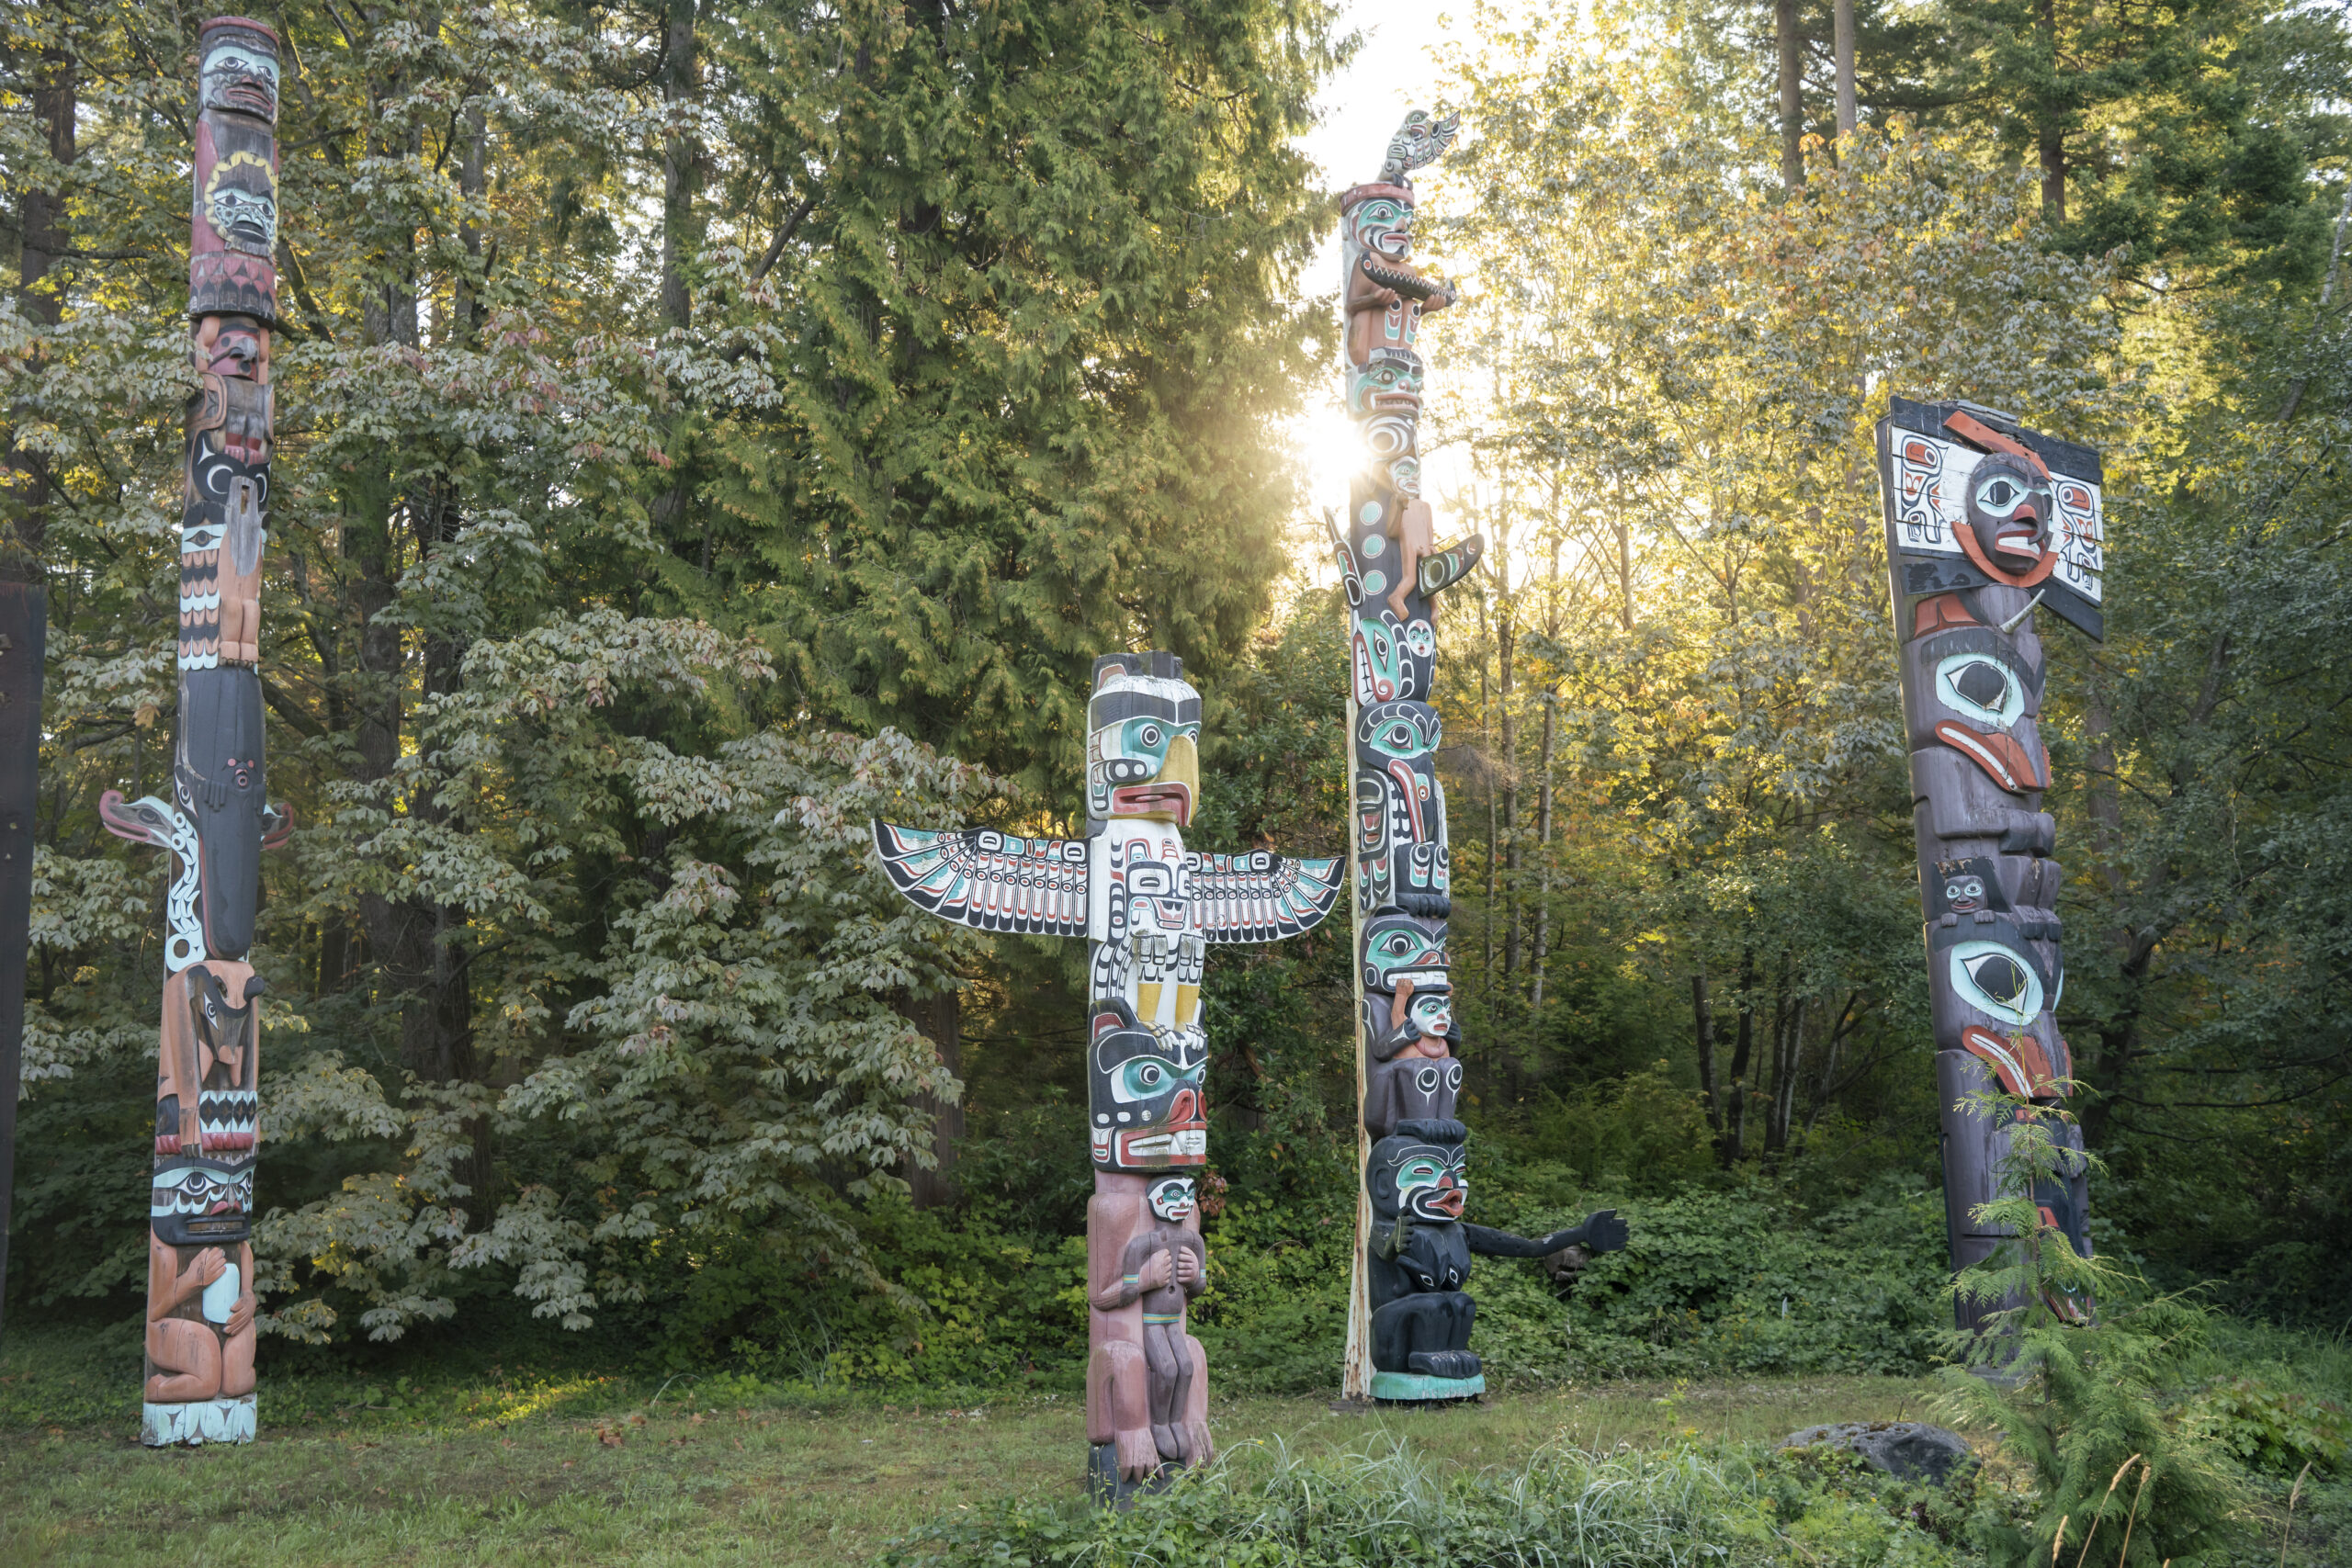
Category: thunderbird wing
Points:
column 989, row 880
column 1259, row 897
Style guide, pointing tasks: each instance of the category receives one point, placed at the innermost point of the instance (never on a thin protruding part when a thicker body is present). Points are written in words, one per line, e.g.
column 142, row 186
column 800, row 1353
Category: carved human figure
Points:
column 1162, row 1267
column 1421, row 1315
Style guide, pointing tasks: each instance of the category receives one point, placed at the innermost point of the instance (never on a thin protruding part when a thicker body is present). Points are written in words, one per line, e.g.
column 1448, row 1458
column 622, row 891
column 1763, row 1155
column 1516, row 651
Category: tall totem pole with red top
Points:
column 1988, row 524
column 200, row 1301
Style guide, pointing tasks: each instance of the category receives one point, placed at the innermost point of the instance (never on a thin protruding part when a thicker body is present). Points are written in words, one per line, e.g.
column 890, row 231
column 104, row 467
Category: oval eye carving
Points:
column 1426, row 1080
column 1981, row 688
column 1995, row 980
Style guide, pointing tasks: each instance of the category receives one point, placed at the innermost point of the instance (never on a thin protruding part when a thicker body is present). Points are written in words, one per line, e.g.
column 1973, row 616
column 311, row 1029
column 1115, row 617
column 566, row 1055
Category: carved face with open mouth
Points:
column 1427, row 1181
column 1388, row 384
column 2010, row 509
column 1147, row 1097
column 1143, row 746
column 194, row 1200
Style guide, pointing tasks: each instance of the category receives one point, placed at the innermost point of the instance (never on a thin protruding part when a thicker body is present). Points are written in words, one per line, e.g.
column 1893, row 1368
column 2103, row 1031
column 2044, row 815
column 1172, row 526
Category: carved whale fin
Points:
column 1443, row 569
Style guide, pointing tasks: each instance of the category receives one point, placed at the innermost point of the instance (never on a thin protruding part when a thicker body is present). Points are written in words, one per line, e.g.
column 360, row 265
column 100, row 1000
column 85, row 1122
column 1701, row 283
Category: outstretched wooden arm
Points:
column 1601, row 1232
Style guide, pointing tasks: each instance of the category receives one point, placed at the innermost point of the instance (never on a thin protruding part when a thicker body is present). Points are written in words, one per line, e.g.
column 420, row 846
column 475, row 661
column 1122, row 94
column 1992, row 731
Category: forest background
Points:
column 702, row 427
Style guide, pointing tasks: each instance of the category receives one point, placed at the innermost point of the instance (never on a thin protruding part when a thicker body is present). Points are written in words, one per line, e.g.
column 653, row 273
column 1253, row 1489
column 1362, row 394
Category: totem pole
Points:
column 1149, row 909
column 1408, row 1319
column 200, row 1303
column 1986, row 522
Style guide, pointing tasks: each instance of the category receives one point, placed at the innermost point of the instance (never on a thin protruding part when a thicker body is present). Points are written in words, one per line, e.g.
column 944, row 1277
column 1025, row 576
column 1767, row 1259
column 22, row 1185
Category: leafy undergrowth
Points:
column 1386, row 1506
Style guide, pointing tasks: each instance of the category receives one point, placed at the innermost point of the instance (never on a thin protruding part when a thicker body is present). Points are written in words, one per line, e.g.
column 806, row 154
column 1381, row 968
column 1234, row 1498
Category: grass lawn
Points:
column 580, row 1472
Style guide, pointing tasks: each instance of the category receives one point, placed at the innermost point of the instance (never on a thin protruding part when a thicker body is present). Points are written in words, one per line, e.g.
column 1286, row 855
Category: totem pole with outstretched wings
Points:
column 1149, row 909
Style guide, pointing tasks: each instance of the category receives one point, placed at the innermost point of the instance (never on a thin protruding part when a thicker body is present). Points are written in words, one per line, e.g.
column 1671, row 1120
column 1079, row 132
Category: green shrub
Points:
column 1265, row 1507
column 1746, row 1281
column 2264, row 1426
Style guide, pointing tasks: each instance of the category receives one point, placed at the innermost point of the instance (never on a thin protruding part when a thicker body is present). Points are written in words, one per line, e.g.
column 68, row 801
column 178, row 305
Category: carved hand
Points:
column 1188, row 1266
column 1604, row 1232
column 1157, row 1271
column 205, row 1268
column 241, row 1316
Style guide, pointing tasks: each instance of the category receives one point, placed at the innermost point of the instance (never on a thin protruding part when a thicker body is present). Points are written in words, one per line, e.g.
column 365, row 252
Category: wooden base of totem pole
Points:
column 1118, row 1384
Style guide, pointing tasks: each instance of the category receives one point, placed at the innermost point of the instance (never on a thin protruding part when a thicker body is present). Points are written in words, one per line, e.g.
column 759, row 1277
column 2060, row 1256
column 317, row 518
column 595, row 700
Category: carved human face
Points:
column 192, row 1201
column 1142, row 748
column 1171, row 1199
column 1146, row 1098
column 1426, row 1181
column 241, row 204
column 1965, row 887
column 2008, row 507
column 1383, row 224
column 240, row 73
column 1388, row 382
column 233, row 345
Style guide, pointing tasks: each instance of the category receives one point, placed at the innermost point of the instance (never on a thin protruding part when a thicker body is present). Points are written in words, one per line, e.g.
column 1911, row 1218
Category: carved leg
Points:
column 1124, row 1388
column 189, row 1356
column 237, row 1362
column 1194, row 1407
column 1169, row 1371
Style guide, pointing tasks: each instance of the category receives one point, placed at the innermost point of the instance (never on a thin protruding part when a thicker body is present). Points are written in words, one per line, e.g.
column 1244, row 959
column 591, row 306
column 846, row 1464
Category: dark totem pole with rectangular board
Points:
column 1409, row 1315
column 201, row 1303
column 1987, row 525
column 1149, row 909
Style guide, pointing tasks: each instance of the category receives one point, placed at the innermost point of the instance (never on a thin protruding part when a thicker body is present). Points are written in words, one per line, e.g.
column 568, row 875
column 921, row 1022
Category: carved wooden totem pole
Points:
column 1986, row 522
column 1149, row 909
column 201, row 1303
column 1409, row 1319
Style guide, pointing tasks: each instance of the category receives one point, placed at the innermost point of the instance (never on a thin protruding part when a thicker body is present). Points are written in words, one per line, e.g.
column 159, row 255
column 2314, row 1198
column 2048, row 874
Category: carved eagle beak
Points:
column 1177, row 786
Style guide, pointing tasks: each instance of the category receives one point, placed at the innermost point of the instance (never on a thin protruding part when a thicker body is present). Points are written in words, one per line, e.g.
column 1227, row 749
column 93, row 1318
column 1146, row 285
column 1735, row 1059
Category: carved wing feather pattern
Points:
column 1259, row 897
column 989, row 880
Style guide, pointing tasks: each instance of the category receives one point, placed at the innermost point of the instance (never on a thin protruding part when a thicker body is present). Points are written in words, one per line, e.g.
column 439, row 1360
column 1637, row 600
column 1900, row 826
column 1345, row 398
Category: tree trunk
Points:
column 941, row 1019
column 2050, row 133
column 1842, row 20
column 1505, row 653
column 1543, row 853
column 24, row 632
column 681, row 180
column 1703, row 1018
column 1792, row 51
column 1735, row 1140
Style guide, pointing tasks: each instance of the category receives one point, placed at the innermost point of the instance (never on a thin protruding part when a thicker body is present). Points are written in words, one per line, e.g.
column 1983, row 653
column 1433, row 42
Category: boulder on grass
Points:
column 1909, row 1451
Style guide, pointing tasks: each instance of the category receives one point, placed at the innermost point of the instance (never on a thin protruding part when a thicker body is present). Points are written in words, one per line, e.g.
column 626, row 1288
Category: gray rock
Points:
column 1909, row 1451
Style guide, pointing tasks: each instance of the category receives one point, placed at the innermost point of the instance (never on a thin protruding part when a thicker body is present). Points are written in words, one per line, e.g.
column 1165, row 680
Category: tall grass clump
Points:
column 1267, row 1507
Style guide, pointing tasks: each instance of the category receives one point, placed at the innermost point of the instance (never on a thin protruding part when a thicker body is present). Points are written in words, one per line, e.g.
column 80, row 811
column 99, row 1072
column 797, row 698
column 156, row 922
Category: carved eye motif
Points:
column 1976, row 686
column 1427, row 1079
column 1999, row 494
column 1995, row 979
